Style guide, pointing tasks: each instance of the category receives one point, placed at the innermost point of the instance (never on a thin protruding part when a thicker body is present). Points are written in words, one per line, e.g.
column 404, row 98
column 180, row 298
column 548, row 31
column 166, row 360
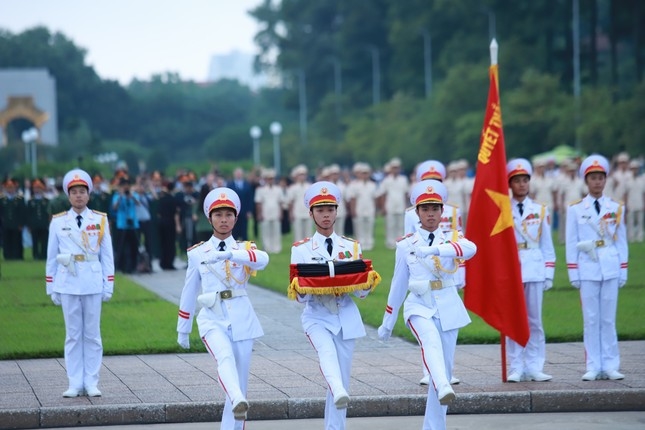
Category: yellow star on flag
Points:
column 505, row 219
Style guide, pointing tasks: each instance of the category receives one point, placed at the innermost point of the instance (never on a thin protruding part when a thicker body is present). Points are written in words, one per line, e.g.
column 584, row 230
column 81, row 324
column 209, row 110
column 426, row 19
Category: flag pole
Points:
column 494, row 49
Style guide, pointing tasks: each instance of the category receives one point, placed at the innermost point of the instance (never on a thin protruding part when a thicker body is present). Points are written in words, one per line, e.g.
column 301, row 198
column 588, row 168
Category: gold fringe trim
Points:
column 373, row 279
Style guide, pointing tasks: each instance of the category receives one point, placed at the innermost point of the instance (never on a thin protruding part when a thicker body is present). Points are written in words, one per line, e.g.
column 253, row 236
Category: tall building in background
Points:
column 236, row 65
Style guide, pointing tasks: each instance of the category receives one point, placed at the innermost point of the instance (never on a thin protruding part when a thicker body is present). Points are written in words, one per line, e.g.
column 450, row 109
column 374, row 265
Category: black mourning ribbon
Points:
column 340, row 268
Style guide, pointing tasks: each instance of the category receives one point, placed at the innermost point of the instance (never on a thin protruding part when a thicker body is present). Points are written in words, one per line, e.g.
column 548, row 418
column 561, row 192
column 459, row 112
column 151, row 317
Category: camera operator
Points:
column 124, row 204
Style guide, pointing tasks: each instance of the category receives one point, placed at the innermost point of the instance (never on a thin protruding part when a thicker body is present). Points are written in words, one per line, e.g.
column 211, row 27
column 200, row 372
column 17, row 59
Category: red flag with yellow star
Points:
column 494, row 288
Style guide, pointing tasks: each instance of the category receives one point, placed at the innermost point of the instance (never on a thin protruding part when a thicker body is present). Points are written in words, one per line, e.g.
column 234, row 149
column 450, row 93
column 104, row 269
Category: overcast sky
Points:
column 127, row 39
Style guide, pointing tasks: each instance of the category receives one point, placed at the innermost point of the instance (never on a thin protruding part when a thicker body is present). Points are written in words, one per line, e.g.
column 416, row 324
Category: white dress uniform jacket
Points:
column 533, row 236
column 450, row 222
column 317, row 308
column 596, row 244
column 204, row 275
column 410, row 270
column 89, row 269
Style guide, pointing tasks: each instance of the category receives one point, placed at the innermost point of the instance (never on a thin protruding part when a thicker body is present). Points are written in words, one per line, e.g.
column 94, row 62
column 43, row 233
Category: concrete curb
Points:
column 305, row 408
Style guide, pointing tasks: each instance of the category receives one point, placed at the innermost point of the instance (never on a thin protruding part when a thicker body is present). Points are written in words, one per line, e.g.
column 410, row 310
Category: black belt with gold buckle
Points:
column 226, row 294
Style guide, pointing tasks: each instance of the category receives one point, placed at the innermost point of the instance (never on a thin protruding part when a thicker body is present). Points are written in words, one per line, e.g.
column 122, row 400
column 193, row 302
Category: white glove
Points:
column 621, row 282
column 106, row 296
column 576, row 284
column 384, row 333
column 55, row 298
column 424, row 251
column 548, row 284
column 182, row 340
column 223, row 255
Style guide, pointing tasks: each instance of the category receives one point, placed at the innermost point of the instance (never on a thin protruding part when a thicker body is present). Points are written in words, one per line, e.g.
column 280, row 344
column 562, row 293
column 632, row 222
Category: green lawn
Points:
column 136, row 321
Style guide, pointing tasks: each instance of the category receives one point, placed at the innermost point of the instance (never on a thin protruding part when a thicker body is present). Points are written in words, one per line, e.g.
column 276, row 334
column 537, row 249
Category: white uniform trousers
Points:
column 271, row 236
column 599, row 303
column 301, row 228
column 233, row 364
column 393, row 228
column 530, row 359
column 335, row 358
column 438, row 354
column 635, row 225
column 364, row 231
column 83, row 344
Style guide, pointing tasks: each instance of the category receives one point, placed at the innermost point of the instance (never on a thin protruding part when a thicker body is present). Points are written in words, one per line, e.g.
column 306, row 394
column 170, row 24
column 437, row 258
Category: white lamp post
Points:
column 30, row 137
column 276, row 129
column 256, row 133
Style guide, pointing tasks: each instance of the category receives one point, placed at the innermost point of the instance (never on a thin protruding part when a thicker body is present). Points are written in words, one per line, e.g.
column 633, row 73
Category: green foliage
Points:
column 167, row 121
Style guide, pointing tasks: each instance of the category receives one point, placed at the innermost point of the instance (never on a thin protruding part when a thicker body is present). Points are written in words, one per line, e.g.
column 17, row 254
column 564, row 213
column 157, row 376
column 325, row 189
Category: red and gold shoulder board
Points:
column 404, row 237
column 300, row 242
column 195, row 245
column 575, row 202
column 248, row 244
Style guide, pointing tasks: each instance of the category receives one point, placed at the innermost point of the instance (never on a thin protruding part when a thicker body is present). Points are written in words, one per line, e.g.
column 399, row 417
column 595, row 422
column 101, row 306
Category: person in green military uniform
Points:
column 38, row 218
column 100, row 199
column 12, row 214
column 60, row 203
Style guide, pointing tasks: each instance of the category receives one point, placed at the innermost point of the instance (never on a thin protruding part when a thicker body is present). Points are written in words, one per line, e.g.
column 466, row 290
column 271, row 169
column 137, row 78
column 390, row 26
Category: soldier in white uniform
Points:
column 571, row 188
column 635, row 203
column 300, row 222
column 394, row 191
column 80, row 275
column 334, row 176
column 451, row 217
column 216, row 278
column 268, row 207
column 532, row 226
column 450, row 223
column 426, row 265
column 332, row 322
column 361, row 193
column 597, row 254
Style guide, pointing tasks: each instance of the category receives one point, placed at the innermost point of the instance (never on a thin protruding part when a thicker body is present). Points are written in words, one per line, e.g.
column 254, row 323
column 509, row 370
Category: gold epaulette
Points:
column 349, row 238
column 575, row 202
column 248, row 244
column 300, row 242
column 99, row 212
column 453, row 205
column 195, row 246
column 404, row 237
column 59, row 214
column 411, row 208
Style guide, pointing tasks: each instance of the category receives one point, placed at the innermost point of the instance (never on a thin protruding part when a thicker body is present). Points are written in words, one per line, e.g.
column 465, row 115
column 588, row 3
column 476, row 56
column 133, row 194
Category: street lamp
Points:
column 276, row 129
column 30, row 137
column 256, row 133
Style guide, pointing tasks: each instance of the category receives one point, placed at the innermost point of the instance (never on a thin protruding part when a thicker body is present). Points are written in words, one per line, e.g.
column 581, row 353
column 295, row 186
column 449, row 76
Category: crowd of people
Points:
column 159, row 213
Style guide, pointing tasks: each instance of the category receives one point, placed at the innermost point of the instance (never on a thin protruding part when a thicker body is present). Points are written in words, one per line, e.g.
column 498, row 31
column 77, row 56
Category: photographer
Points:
column 124, row 204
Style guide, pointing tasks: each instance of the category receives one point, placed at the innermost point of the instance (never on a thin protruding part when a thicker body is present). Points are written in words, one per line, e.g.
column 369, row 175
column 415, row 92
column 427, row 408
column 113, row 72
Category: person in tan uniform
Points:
column 393, row 191
column 362, row 205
